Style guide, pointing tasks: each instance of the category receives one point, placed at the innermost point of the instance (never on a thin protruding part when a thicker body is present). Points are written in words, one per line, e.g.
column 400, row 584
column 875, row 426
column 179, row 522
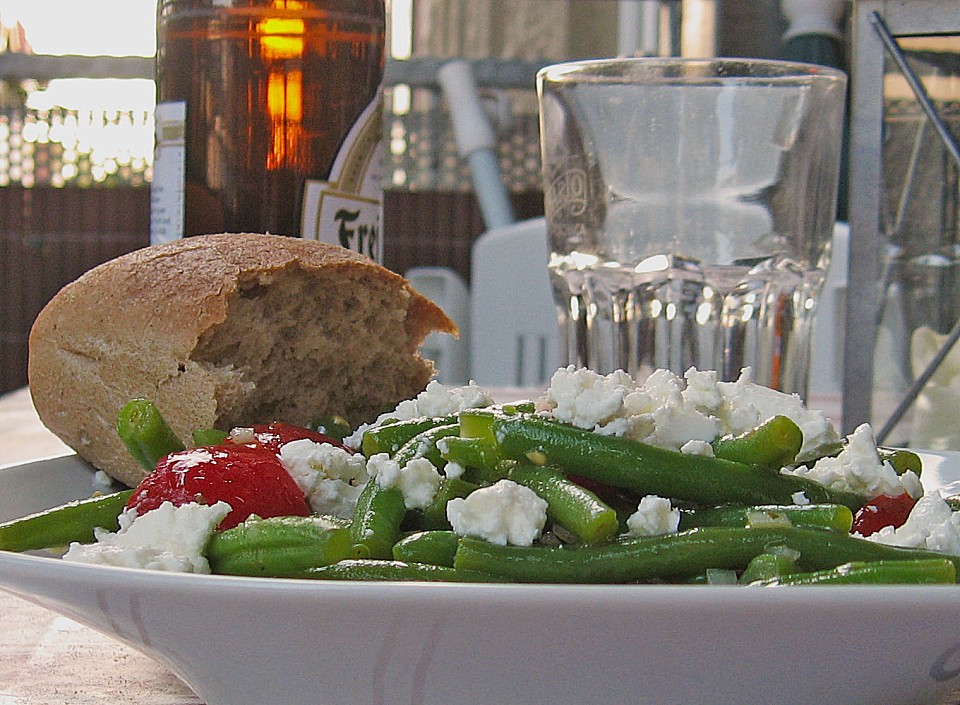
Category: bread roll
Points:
column 226, row 330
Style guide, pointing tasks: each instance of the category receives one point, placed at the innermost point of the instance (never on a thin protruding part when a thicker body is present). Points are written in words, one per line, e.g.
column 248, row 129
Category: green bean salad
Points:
column 601, row 479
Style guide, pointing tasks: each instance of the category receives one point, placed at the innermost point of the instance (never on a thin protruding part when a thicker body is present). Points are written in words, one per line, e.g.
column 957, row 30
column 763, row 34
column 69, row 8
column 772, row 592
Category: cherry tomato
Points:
column 273, row 435
column 250, row 478
column 882, row 511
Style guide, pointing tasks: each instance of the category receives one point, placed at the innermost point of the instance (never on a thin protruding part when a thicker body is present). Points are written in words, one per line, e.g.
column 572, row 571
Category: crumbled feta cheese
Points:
column 331, row 478
column 586, row 399
column 417, row 481
column 800, row 498
column 166, row 538
column 697, row 447
column 703, row 390
column 434, row 401
column 438, row 400
column 102, row 482
column 333, row 496
column 669, row 411
column 453, row 470
column 383, row 468
column 655, row 516
column 504, row 513
column 858, row 468
column 911, row 483
column 687, row 413
column 932, row 525
column 747, row 404
column 655, row 412
column 676, row 422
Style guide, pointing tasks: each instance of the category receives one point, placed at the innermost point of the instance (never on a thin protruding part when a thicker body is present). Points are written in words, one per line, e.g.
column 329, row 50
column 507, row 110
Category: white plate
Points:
column 240, row 641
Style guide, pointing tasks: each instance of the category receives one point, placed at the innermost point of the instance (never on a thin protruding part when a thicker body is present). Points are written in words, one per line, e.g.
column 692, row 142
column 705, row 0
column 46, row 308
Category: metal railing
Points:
column 878, row 25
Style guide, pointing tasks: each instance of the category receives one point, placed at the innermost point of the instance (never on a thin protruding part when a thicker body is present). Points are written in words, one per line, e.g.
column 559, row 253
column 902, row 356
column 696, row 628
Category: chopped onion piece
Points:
column 769, row 518
column 721, row 576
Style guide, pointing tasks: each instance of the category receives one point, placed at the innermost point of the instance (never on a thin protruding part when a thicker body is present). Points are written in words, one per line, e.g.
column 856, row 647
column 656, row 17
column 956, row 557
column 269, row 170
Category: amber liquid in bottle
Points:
column 270, row 88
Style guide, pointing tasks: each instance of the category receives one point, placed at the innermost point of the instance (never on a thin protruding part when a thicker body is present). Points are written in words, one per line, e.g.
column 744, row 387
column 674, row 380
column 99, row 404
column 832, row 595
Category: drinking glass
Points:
column 690, row 205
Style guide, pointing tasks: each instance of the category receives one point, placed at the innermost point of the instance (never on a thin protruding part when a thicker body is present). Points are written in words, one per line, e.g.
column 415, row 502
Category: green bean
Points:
column 390, row 436
column 773, row 444
column 62, row 525
column 385, row 570
column 432, row 547
column 902, row 460
column 145, row 433
column 281, row 547
column 208, row 437
column 571, row 506
column 480, row 459
column 335, row 427
column 482, row 462
column 517, row 407
column 827, row 516
column 828, row 450
column 918, row 572
column 424, row 445
column 767, row 566
column 434, row 516
column 676, row 556
column 380, row 511
column 639, row 467
column 376, row 522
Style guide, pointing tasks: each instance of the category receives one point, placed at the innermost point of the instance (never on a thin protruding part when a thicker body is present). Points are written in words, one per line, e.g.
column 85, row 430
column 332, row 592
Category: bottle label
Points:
column 169, row 167
column 346, row 209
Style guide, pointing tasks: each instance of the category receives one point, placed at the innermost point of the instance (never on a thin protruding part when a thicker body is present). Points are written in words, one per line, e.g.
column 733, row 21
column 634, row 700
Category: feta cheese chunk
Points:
column 655, row 516
column 417, row 481
column 586, row 399
column 453, row 470
column 439, row 400
column 679, row 413
column 655, row 412
column 932, row 525
column 697, row 447
column 747, row 404
column 167, row 538
column 677, row 420
column 434, row 401
column 330, row 477
column 504, row 513
column 858, row 469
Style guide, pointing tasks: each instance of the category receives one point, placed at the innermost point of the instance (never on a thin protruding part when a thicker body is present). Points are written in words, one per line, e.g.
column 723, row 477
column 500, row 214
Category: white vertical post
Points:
column 638, row 27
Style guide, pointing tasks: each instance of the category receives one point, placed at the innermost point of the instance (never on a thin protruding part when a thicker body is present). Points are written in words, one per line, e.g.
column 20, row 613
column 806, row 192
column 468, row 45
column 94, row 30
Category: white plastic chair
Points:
column 826, row 358
column 513, row 338
column 446, row 288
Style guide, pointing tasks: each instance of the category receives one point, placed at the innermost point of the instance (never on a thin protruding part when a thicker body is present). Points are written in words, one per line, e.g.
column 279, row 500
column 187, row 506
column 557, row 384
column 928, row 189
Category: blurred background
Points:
column 76, row 125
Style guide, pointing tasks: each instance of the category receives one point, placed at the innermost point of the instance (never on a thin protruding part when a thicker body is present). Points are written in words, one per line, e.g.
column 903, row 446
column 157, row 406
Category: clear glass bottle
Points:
column 268, row 119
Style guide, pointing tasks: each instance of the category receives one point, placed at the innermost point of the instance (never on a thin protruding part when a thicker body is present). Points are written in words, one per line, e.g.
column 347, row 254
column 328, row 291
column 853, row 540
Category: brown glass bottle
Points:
column 267, row 92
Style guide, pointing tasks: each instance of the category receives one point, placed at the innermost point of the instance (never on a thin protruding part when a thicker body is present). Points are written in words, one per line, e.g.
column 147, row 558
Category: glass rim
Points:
column 686, row 70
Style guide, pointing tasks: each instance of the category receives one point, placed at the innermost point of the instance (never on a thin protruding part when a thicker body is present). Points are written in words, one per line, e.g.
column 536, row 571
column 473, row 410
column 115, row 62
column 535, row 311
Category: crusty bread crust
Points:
column 226, row 329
